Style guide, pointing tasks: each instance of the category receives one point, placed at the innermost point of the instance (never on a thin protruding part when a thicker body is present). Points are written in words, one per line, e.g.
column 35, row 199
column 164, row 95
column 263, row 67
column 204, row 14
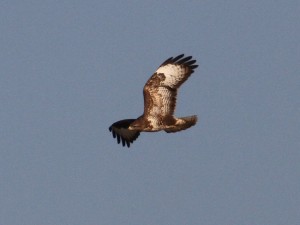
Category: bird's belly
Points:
column 154, row 124
column 155, row 129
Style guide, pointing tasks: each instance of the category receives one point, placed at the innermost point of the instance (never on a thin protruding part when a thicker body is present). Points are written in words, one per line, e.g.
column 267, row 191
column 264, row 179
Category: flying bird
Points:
column 160, row 93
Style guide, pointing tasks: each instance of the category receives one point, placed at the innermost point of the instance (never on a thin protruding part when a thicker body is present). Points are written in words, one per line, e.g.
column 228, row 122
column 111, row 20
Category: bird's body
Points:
column 160, row 93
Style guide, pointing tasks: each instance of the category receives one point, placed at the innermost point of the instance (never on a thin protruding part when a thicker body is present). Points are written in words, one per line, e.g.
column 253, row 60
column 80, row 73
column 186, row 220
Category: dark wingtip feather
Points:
column 181, row 60
column 190, row 62
column 177, row 57
column 123, row 142
column 123, row 124
column 167, row 61
column 193, row 66
column 172, row 60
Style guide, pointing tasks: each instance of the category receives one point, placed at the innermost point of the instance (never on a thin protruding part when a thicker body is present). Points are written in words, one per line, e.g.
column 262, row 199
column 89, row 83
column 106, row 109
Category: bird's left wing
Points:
column 120, row 131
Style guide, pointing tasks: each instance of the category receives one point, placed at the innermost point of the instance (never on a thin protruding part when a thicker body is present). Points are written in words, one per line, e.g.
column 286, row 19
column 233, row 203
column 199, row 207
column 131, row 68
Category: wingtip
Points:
column 122, row 134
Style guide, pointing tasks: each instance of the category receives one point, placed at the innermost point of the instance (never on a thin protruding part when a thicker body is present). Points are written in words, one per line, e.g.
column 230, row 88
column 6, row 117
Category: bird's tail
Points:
column 183, row 123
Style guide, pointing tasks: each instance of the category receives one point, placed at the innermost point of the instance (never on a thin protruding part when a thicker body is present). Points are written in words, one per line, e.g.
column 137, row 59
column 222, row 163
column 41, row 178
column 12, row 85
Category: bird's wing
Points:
column 160, row 90
column 120, row 131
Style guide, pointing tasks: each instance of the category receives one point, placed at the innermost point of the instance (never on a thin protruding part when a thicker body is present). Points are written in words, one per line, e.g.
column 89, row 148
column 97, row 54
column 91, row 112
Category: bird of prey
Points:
column 160, row 93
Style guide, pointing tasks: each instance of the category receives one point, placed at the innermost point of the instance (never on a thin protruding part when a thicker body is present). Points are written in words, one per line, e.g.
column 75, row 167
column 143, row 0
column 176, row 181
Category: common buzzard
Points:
column 160, row 93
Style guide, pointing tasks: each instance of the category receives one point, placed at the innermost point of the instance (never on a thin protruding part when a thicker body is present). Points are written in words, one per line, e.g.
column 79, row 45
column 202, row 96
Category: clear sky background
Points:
column 68, row 69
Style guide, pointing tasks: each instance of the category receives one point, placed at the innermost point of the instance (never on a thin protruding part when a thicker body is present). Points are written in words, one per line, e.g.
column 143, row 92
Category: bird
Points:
column 160, row 93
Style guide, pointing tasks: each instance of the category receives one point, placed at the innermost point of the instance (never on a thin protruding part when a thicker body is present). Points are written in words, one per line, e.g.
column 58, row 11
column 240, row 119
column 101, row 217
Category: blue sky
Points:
column 71, row 68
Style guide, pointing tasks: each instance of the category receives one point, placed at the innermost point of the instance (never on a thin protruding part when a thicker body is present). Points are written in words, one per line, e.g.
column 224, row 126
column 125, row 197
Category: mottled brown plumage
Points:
column 160, row 93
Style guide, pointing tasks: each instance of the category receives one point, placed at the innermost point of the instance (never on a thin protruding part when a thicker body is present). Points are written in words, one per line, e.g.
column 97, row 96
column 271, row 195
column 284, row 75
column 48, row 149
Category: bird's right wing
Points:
column 120, row 131
column 160, row 90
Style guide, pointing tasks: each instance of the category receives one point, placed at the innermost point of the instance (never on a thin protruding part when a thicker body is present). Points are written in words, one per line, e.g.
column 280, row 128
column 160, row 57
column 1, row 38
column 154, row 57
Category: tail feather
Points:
column 182, row 123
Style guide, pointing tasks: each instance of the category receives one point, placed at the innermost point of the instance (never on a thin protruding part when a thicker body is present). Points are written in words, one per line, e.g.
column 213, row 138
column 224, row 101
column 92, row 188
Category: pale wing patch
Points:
column 173, row 74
